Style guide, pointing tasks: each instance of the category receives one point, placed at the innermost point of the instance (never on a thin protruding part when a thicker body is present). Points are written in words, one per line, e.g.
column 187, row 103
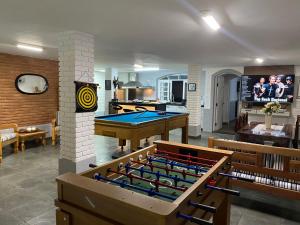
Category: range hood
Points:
column 133, row 83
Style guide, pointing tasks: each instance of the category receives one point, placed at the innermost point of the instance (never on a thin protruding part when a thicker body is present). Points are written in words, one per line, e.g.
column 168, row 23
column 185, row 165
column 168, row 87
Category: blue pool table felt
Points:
column 138, row 117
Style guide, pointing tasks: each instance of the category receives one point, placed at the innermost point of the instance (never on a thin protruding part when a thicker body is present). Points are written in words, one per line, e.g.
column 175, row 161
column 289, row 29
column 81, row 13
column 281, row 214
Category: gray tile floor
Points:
column 28, row 189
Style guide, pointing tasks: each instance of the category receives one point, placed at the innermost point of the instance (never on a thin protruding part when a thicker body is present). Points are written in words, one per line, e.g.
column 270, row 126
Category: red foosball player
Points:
column 212, row 182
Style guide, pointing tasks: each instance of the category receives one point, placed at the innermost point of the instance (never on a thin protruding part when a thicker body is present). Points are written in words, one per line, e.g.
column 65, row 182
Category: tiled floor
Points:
column 28, row 189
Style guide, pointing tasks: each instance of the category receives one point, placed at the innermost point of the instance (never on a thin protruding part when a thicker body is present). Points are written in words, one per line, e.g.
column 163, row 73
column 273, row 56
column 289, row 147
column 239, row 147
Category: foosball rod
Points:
column 129, row 175
column 204, row 207
column 123, row 184
column 225, row 190
column 167, row 169
column 173, row 163
column 157, row 174
column 193, row 219
column 185, row 161
column 187, row 156
column 236, row 177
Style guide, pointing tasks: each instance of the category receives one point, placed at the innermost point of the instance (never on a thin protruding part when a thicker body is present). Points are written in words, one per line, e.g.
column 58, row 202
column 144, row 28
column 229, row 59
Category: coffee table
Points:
column 255, row 133
column 26, row 136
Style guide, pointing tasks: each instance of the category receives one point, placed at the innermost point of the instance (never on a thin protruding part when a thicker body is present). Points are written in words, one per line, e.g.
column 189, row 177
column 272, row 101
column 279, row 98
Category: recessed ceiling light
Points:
column 137, row 66
column 100, row 70
column 30, row 47
column 259, row 60
column 211, row 22
column 144, row 69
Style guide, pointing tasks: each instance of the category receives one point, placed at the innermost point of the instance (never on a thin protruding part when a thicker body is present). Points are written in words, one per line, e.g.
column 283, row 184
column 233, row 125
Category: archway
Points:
column 226, row 87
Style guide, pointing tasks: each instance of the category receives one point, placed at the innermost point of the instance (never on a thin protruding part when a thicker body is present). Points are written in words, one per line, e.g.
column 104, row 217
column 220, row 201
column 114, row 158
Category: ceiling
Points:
column 163, row 32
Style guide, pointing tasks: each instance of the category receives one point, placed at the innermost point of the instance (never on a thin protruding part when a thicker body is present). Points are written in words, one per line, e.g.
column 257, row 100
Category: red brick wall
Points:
column 23, row 109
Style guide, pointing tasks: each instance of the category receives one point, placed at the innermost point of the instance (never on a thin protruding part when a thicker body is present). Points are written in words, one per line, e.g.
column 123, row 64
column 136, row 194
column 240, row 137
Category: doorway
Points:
column 177, row 91
column 226, row 102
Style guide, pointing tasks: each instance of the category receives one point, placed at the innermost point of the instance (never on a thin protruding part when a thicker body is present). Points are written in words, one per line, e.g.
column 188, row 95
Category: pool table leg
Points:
column 165, row 136
column 134, row 143
column 185, row 133
column 122, row 143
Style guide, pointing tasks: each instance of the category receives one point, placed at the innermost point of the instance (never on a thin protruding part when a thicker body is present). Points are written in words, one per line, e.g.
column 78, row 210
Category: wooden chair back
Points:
column 241, row 121
column 9, row 126
column 276, row 169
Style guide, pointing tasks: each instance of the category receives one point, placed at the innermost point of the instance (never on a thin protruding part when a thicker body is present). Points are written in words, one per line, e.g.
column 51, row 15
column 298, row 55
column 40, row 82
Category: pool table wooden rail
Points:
column 134, row 132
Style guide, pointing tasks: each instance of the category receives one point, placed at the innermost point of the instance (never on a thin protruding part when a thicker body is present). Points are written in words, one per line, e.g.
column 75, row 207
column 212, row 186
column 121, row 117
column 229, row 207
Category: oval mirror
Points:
column 32, row 84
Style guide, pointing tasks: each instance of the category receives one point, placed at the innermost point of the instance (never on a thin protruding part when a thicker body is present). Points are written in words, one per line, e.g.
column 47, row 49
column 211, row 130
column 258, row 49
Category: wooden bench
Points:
column 276, row 170
column 8, row 135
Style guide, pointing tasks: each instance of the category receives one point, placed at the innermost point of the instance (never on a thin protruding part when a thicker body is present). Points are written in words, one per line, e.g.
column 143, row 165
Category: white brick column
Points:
column 110, row 74
column 76, row 63
column 193, row 101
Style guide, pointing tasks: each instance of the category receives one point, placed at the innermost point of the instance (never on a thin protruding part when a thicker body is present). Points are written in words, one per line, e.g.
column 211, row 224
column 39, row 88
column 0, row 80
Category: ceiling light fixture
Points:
column 144, row 69
column 259, row 60
column 100, row 70
column 137, row 66
column 211, row 22
column 30, row 47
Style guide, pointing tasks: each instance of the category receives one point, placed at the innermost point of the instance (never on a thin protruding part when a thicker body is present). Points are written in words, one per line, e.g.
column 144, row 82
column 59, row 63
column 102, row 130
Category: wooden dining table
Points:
column 256, row 132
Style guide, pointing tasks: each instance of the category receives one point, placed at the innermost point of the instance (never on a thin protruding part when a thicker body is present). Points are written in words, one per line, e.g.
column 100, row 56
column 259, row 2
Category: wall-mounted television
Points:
column 267, row 88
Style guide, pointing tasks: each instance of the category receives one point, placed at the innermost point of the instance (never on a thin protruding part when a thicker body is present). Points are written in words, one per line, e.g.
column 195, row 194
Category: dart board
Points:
column 86, row 97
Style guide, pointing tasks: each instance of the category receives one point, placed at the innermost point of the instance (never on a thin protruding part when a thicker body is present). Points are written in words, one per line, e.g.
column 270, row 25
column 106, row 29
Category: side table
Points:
column 25, row 136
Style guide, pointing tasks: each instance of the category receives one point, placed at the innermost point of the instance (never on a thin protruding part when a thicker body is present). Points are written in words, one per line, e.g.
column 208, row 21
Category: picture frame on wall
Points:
column 192, row 87
column 107, row 85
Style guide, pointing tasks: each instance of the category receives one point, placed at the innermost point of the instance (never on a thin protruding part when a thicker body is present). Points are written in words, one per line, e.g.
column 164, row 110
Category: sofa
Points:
column 8, row 135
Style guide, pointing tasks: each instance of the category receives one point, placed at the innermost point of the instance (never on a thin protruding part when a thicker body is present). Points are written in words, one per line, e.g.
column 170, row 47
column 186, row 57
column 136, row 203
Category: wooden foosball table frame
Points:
column 83, row 200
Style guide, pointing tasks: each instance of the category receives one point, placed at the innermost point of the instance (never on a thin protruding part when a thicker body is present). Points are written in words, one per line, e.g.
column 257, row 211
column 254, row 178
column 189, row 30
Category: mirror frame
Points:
column 26, row 93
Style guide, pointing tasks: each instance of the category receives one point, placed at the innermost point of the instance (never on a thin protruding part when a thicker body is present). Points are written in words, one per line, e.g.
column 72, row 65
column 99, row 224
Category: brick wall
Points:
column 23, row 109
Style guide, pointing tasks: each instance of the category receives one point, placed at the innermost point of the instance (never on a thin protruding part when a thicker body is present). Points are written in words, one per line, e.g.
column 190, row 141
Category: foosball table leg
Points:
column 222, row 216
column 62, row 218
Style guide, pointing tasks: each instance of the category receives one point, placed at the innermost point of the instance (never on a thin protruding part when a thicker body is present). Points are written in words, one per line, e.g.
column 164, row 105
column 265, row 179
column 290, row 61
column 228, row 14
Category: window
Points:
column 172, row 88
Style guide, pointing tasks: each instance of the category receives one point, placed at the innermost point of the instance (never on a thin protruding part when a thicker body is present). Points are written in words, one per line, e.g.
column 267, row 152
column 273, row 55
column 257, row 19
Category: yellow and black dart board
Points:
column 86, row 97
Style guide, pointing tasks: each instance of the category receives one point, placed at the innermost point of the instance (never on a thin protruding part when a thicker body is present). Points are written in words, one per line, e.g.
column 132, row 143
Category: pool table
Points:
column 138, row 125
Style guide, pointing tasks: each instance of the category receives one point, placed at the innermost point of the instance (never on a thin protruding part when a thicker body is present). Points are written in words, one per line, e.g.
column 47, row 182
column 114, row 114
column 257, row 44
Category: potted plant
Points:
column 268, row 110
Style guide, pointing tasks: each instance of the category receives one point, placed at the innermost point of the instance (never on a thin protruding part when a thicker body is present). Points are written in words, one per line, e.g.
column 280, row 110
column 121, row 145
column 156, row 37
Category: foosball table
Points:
column 163, row 184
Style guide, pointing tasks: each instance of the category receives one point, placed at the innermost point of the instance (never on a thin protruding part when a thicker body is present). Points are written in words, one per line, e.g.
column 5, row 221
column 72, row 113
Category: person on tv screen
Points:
column 258, row 88
column 280, row 89
column 289, row 88
column 269, row 90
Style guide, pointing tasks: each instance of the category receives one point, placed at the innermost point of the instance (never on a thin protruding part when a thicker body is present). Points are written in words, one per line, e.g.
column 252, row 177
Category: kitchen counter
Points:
column 132, row 104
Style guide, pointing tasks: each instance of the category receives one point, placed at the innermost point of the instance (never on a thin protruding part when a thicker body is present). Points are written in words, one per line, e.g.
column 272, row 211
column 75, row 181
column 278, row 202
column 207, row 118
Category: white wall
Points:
column 123, row 77
column 230, row 97
column 99, row 78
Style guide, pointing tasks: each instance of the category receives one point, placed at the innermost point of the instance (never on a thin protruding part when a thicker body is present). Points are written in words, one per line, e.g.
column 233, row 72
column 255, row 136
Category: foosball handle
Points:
column 194, row 219
column 225, row 190
column 92, row 165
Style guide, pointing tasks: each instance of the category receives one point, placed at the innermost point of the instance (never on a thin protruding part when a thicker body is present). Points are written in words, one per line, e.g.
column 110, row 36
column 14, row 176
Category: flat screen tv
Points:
column 267, row 88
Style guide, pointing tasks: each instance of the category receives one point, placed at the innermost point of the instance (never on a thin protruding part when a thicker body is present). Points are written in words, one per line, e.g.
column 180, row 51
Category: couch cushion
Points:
column 7, row 131
column 7, row 136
